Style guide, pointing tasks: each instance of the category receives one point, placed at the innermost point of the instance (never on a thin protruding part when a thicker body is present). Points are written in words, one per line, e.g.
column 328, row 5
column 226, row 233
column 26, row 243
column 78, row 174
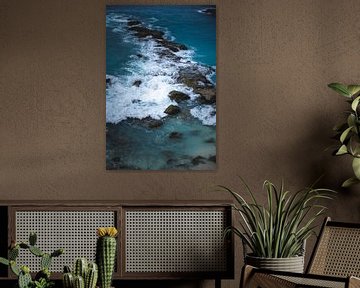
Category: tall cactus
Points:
column 79, row 282
column 106, row 254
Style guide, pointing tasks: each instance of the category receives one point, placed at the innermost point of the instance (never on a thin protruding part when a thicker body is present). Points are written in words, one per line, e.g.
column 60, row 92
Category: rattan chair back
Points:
column 337, row 252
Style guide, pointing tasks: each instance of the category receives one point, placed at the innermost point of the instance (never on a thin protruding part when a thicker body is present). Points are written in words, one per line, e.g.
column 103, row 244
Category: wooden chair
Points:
column 334, row 263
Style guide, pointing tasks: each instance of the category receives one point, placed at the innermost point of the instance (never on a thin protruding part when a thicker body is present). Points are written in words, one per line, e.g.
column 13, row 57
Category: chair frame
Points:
column 267, row 278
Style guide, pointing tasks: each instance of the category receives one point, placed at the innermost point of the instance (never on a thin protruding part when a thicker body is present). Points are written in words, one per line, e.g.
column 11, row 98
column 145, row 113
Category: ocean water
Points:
column 131, row 143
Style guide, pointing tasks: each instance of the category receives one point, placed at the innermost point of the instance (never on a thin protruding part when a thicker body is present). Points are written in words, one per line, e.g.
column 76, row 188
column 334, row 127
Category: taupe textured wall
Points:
column 275, row 113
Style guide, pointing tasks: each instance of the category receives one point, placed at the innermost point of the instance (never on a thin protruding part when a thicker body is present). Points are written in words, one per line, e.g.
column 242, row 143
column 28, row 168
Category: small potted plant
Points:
column 348, row 132
column 275, row 233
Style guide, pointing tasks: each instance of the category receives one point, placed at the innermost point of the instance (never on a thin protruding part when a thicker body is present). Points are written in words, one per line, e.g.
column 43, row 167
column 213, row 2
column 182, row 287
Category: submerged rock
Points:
column 133, row 23
column 108, row 82
column 198, row 160
column 178, row 96
column 175, row 135
column 210, row 140
column 151, row 123
column 137, row 83
column 172, row 110
column 209, row 11
column 212, row 158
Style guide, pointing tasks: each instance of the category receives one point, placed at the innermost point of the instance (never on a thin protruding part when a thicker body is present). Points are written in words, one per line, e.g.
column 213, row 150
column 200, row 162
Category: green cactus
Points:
column 79, row 282
column 68, row 280
column 45, row 261
column 87, row 272
column 42, row 278
column 105, row 255
column 24, row 280
column 36, row 251
column 91, row 276
column 13, row 253
column 80, row 267
column 32, row 238
column 4, row 261
column 14, row 268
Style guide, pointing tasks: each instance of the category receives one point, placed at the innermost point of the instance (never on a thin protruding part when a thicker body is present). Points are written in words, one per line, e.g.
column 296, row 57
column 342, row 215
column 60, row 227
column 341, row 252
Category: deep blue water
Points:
column 130, row 59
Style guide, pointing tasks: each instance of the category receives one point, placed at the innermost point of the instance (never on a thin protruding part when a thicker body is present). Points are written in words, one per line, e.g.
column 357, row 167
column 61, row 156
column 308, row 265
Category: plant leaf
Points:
column 356, row 167
column 353, row 89
column 345, row 134
column 349, row 182
column 355, row 103
column 340, row 88
column 342, row 150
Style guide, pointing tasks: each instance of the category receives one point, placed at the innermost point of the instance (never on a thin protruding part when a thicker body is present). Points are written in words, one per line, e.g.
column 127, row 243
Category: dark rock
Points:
column 108, row 81
column 193, row 78
column 198, row 160
column 143, row 32
column 173, row 46
column 212, row 158
column 139, row 55
column 175, row 135
column 169, row 55
column 135, row 101
column 194, row 132
column 137, row 83
column 178, row 96
column 133, row 23
column 172, row 110
column 155, row 123
column 116, row 159
column 207, row 95
column 210, row 140
column 210, row 11
column 151, row 123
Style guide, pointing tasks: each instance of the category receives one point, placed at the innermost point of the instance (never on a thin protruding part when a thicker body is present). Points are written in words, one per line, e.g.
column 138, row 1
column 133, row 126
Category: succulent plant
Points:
column 106, row 254
column 42, row 278
column 85, row 275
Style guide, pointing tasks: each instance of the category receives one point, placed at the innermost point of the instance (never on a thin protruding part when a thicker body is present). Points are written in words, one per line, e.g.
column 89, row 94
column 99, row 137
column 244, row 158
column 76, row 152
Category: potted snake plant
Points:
column 274, row 234
column 348, row 133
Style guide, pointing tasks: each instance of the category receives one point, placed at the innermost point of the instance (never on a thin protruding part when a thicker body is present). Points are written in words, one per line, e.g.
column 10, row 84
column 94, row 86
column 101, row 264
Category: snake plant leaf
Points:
column 353, row 89
column 340, row 88
column 356, row 167
column 342, row 150
column 345, row 134
column 349, row 182
column 355, row 103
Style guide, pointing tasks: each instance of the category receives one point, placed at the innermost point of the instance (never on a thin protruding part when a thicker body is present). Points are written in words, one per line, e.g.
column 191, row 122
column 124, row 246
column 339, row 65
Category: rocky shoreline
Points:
column 190, row 74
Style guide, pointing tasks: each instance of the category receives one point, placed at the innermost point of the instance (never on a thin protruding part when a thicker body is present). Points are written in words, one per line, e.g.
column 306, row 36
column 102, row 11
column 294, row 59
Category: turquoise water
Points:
column 131, row 144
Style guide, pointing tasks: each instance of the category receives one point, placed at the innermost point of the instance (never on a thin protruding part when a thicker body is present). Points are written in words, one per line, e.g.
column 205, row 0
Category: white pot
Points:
column 291, row 264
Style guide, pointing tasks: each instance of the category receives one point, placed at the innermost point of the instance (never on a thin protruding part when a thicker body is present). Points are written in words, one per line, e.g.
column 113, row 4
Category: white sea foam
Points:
column 206, row 113
column 158, row 78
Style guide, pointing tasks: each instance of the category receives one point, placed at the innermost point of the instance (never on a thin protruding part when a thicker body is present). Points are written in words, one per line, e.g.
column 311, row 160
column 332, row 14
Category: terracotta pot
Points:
column 291, row 264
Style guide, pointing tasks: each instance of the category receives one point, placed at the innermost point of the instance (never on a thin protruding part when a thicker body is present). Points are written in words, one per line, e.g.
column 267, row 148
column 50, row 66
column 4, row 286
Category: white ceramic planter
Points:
column 291, row 264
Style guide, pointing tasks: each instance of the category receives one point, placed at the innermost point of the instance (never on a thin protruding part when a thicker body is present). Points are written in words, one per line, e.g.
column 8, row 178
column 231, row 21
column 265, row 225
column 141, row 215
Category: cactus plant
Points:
column 84, row 274
column 91, row 276
column 79, row 282
column 80, row 268
column 42, row 278
column 105, row 254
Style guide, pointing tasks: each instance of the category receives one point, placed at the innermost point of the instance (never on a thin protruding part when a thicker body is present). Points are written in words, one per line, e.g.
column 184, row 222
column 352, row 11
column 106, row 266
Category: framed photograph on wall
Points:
column 160, row 87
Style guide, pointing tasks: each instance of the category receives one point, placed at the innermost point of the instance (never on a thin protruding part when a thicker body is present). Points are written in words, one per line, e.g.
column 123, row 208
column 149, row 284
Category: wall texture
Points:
column 275, row 113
